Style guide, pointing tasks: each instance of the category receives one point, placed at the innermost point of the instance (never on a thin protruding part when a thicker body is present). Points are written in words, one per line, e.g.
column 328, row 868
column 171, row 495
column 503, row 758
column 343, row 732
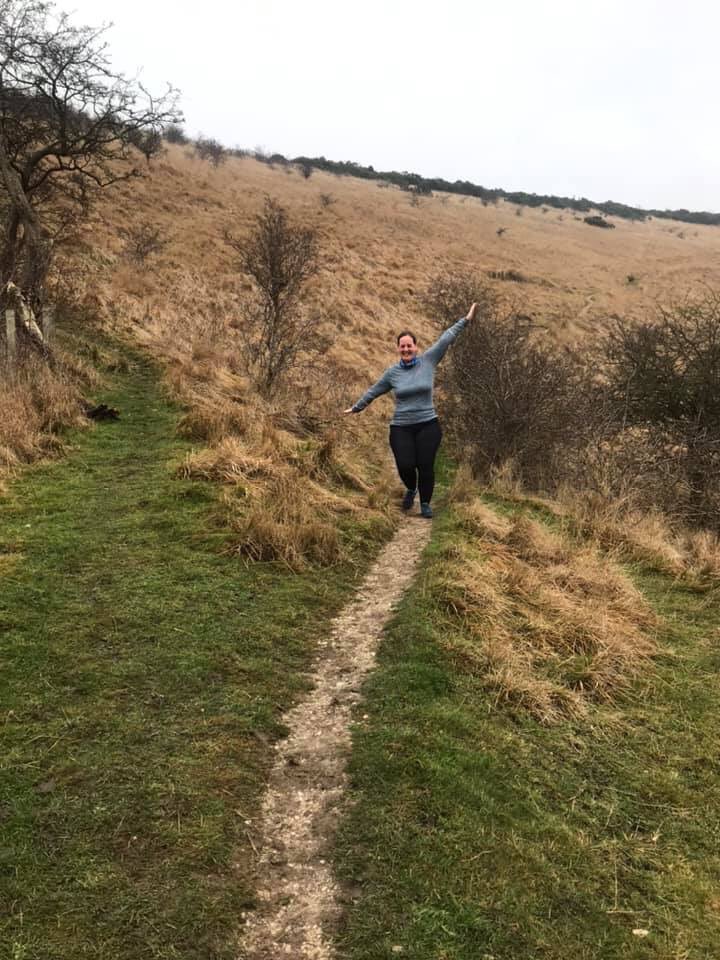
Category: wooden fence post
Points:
column 11, row 342
column 48, row 323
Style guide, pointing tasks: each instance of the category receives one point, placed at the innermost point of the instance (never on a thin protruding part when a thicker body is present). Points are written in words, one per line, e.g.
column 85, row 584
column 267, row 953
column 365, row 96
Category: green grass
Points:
column 143, row 674
column 478, row 833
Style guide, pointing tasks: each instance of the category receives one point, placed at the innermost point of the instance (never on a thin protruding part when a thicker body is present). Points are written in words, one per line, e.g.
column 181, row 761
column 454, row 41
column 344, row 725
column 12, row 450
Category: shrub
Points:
column 142, row 241
column 149, row 143
column 278, row 336
column 513, row 398
column 512, row 275
column 212, row 150
column 599, row 222
column 664, row 382
column 449, row 295
column 507, row 394
column 174, row 133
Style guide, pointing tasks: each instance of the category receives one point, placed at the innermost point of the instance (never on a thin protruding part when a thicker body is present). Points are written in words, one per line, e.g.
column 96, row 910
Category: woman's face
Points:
column 407, row 348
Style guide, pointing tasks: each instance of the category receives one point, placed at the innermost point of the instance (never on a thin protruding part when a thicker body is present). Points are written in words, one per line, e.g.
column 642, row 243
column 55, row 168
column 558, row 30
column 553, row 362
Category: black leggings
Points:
column 415, row 446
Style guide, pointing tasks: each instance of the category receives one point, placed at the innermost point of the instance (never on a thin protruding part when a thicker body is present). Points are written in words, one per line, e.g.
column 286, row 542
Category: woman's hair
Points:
column 406, row 333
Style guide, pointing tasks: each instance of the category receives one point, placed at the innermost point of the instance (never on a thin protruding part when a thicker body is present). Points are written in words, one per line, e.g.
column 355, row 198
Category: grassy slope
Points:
column 143, row 673
column 479, row 833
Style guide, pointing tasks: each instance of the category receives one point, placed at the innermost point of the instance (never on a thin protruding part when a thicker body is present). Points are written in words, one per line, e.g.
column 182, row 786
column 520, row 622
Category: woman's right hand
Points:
column 471, row 313
column 349, row 410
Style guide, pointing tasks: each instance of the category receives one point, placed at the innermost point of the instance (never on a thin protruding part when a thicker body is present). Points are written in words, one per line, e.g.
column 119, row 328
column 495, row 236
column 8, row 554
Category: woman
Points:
column 415, row 433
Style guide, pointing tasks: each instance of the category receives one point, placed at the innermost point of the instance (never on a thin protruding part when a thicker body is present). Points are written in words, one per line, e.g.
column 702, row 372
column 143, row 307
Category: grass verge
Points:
column 144, row 670
column 478, row 832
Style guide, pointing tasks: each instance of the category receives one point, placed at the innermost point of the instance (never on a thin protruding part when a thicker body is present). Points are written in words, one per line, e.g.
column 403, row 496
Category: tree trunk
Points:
column 37, row 247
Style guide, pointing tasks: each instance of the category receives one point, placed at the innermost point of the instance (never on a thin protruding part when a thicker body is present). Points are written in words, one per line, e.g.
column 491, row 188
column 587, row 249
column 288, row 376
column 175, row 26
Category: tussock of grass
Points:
column 285, row 524
column 212, row 423
column 36, row 403
column 647, row 537
column 547, row 623
column 229, row 462
column 284, row 507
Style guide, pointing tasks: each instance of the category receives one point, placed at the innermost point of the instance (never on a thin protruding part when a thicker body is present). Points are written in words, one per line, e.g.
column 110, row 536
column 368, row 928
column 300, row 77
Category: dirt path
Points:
column 299, row 899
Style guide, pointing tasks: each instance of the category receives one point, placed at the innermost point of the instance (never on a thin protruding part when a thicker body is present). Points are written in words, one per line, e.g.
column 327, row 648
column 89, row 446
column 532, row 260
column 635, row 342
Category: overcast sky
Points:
column 608, row 99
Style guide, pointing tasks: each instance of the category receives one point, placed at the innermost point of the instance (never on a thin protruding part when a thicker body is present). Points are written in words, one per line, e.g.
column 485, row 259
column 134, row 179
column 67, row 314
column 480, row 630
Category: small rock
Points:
column 639, row 932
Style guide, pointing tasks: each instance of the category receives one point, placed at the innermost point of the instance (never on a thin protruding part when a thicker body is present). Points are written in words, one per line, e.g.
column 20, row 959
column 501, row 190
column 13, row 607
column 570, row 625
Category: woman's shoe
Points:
column 426, row 511
column 409, row 499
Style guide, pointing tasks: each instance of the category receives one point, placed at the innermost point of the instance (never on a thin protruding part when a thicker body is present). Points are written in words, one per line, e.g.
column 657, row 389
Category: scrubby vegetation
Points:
column 596, row 221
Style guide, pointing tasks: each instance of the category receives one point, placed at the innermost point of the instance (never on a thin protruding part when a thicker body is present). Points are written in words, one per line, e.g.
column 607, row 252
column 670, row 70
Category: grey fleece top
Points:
column 413, row 385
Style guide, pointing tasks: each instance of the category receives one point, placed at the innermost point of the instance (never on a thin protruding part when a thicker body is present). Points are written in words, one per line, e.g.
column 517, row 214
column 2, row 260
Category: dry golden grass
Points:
column 548, row 624
column 36, row 402
column 643, row 536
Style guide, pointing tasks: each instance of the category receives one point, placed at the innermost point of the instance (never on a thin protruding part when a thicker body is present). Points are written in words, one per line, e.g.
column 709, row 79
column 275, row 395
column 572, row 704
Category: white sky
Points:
column 609, row 99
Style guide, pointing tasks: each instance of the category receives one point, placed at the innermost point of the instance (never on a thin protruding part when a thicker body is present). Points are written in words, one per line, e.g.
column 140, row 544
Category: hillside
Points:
column 379, row 253
column 380, row 250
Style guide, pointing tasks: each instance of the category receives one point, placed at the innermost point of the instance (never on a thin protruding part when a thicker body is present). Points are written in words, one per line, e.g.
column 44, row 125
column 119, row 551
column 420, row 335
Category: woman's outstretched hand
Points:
column 349, row 410
column 471, row 313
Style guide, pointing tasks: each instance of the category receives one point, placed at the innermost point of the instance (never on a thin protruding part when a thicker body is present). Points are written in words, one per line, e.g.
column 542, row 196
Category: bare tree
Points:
column 68, row 124
column 278, row 335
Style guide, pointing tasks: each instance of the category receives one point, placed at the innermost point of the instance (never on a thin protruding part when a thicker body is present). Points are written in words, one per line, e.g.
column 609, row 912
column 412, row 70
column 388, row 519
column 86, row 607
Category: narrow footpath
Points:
column 299, row 902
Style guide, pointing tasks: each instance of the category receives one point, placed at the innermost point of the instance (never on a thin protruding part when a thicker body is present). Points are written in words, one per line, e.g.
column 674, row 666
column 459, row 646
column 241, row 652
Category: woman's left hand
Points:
column 471, row 313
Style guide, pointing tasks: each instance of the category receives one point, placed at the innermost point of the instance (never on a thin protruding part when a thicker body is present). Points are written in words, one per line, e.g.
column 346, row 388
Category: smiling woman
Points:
column 415, row 432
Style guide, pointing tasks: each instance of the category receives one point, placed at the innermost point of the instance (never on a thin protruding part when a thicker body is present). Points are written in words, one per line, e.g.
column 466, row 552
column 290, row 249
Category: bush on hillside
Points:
column 174, row 133
column 279, row 337
column 448, row 296
column 512, row 398
column 142, row 241
column 664, row 383
column 514, row 276
column 209, row 149
column 599, row 222
column 149, row 143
